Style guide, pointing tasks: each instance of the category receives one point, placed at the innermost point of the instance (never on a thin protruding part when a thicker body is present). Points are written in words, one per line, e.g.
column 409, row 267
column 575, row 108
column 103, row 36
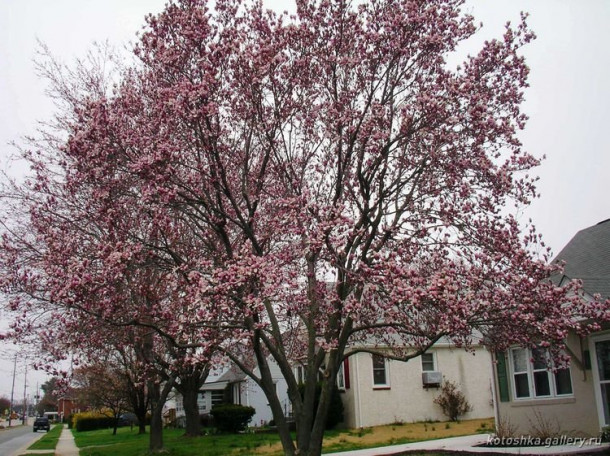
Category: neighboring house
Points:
column 241, row 389
column 374, row 390
column 67, row 406
column 235, row 387
column 574, row 400
column 377, row 391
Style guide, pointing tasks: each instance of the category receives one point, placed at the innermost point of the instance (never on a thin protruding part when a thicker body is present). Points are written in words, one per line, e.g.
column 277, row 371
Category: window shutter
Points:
column 502, row 377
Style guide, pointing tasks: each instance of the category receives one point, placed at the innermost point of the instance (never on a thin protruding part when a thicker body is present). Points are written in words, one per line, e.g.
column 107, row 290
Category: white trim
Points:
column 596, row 380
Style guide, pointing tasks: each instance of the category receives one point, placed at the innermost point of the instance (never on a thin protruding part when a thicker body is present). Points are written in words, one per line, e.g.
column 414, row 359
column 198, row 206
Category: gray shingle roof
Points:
column 234, row 374
column 587, row 257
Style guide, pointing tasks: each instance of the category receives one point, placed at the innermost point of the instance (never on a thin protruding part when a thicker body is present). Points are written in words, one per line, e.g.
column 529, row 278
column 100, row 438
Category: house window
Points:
column 218, row 397
column 341, row 377
column 299, row 373
column 236, row 393
column 380, row 371
column 532, row 377
column 202, row 402
column 427, row 362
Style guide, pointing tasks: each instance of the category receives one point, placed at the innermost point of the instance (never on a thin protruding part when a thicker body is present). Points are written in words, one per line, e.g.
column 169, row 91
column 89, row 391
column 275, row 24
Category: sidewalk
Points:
column 66, row 445
column 469, row 444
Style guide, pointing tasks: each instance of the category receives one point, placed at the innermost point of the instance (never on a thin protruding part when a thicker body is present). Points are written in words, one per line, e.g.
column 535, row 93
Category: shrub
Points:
column 605, row 434
column 232, row 417
column 543, row 427
column 90, row 421
column 207, row 420
column 452, row 401
column 505, row 429
column 335, row 408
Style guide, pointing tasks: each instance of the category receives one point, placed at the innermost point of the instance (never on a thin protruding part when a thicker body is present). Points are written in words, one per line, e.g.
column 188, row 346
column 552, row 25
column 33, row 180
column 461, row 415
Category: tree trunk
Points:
column 321, row 414
column 191, row 380
column 139, row 405
column 155, row 443
column 158, row 398
column 191, row 411
column 141, row 424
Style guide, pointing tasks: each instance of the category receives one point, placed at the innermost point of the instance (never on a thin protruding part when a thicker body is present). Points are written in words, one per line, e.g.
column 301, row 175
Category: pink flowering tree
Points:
column 89, row 279
column 309, row 183
column 82, row 289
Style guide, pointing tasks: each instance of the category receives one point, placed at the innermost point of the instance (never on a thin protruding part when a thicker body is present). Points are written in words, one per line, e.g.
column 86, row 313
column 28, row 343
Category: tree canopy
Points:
column 301, row 187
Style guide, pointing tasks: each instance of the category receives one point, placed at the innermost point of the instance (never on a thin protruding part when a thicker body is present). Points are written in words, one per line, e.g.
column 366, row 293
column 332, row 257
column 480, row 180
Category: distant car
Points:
column 42, row 422
column 127, row 419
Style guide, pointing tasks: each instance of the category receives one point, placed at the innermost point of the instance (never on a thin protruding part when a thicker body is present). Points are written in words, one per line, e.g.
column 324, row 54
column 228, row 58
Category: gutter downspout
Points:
column 358, row 404
column 494, row 392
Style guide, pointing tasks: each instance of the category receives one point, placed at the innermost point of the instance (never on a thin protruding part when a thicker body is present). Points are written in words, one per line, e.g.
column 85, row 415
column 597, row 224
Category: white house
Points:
column 233, row 386
column 374, row 390
column 377, row 390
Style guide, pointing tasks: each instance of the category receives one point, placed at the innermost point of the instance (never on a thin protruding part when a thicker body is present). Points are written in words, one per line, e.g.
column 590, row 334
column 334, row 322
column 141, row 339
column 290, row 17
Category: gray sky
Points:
column 568, row 101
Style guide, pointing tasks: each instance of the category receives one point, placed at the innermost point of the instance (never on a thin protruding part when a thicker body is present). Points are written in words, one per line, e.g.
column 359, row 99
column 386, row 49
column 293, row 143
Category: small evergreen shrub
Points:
column 452, row 401
column 232, row 417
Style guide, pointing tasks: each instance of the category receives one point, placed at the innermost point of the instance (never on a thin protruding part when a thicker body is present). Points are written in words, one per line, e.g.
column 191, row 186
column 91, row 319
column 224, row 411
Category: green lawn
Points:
column 129, row 443
column 49, row 440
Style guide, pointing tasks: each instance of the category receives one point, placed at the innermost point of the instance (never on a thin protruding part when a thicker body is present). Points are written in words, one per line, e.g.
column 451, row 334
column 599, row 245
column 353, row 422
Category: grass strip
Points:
column 49, row 440
column 127, row 442
column 39, row 454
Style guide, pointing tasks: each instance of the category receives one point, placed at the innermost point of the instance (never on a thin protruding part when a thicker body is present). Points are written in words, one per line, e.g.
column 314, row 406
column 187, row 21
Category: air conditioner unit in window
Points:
column 432, row 378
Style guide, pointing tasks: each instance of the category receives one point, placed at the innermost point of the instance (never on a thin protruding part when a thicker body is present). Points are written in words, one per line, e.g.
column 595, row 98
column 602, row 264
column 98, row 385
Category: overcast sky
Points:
column 568, row 101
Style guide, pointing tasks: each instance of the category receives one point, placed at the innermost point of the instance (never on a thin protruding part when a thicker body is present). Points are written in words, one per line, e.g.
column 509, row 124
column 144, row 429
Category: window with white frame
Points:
column 236, row 393
column 218, row 397
column 427, row 362
column 380, row 371
column 202, row 402
column 299, row 373
column 533, row 378
column 341, row 377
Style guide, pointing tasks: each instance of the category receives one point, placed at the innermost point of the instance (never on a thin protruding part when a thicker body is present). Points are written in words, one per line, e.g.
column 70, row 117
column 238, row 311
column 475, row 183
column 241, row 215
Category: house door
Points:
column 602, row 352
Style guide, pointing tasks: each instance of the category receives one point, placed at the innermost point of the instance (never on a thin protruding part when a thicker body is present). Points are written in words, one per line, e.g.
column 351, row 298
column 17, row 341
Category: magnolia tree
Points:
column 74, row 297
column 95, row 317
column 299, row 188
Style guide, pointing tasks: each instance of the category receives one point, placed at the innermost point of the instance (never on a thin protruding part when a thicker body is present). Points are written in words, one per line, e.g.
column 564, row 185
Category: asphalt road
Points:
column 17, row 438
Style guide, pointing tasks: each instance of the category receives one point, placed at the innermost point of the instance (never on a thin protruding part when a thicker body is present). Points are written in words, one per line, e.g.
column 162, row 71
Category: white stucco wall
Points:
column 406, row 399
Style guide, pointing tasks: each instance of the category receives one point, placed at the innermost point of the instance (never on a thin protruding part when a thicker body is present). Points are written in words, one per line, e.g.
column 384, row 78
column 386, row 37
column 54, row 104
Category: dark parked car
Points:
column 127, row 419
column 42, row 422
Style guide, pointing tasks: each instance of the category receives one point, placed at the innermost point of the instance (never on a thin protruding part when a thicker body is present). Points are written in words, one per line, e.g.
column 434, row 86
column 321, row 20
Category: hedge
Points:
column 90, row 421
column 232, row 417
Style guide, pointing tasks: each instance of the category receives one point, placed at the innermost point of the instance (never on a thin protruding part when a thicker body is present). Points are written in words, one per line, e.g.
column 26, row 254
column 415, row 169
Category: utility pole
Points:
column 10, row 415
column 25, row 386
